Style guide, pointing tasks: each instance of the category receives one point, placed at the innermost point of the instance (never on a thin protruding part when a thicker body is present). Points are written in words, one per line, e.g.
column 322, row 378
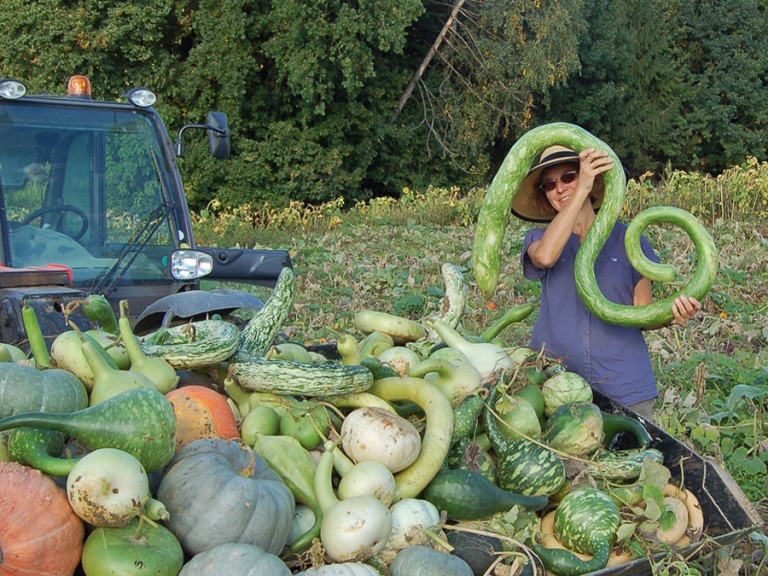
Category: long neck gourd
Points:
column 141, row 422
column 495, row 211
column 157, row 370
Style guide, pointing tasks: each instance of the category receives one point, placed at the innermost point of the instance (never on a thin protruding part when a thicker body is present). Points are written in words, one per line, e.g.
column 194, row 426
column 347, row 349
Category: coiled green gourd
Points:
column 495, row 212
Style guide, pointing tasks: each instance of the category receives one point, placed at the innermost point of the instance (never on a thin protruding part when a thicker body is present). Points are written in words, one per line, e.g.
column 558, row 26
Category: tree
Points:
column 358, row 98
column 724, row 46
column 317, row 125
column 46, row 42
column 488, row 57
column 628, row 88
column 688, row 89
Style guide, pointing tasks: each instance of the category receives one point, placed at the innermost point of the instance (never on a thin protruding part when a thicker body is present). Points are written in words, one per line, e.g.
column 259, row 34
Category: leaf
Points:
column 654, row 475
column 625, row 531
column 750, row 466
column 742, row 391
column 729, row 566
column 761, row 538
column 668, row 518
column 652, row 509
column 409, row 303
column 705, row 435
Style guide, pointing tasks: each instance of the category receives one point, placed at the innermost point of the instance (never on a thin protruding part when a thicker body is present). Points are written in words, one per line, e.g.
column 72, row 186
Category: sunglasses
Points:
column 565, row 178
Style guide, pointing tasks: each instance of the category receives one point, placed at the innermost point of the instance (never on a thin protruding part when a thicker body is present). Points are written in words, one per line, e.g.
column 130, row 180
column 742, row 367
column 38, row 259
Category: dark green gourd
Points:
column 524, row 467
column 141, row 422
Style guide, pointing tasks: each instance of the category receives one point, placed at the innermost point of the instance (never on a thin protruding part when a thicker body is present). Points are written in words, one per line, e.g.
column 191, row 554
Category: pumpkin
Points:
column 425, row 561
column 201, row 413
column 479, row 551
column 235, row 560
column 39, row 532
column 341, row 569
column 220, row 491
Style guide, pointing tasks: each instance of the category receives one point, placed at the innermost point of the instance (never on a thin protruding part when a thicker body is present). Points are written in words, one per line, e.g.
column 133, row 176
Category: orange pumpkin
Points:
column 39, row 532
column 201, row 413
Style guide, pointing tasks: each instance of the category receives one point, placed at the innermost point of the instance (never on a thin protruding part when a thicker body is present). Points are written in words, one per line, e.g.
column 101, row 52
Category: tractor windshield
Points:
column 86, row 188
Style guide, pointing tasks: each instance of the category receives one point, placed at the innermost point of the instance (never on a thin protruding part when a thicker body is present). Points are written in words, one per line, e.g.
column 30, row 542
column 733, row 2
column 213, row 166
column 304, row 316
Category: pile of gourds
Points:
column 287, row 462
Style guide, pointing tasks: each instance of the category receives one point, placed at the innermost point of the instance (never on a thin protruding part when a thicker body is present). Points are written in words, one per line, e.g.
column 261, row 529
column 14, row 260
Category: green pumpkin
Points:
column 132, row 549
column 220, row 491
column 235, row 560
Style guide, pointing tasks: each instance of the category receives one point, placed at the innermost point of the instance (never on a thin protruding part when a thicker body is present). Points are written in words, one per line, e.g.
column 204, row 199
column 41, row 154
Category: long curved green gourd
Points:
column 495, row 212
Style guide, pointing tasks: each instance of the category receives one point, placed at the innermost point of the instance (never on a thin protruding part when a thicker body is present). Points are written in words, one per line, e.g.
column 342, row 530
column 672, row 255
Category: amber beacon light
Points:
column 79, row 86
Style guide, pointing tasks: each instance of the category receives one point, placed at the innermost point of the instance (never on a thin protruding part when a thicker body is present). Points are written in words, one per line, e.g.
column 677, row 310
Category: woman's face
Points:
column 559, row 183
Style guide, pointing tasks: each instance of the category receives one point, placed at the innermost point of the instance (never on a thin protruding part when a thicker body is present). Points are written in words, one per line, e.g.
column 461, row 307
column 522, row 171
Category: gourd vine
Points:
column 495, row 211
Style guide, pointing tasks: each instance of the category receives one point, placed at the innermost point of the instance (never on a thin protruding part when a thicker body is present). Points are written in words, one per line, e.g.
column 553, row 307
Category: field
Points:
column 386, row 255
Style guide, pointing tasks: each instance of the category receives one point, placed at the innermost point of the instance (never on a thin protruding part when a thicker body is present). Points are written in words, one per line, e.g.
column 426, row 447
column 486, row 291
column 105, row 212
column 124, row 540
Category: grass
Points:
column 386, row 255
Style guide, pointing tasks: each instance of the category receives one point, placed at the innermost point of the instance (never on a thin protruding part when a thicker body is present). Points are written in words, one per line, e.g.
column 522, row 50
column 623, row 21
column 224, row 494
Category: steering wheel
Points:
column 61, row 210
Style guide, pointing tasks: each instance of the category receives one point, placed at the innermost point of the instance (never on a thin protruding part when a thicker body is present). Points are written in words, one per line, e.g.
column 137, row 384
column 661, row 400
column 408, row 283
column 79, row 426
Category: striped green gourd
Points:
column 621, row 465
column 495, row 212
column 454, row 303
column 260, row 331
column 524, row 467
column 287, row 377
column 193, row 345
column 586, row 521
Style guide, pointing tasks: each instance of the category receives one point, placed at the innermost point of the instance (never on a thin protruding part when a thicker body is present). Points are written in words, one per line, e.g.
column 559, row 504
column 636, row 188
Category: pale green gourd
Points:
column 5, row 353
column 109, row 381
column 352, row 530
column 160, row 372
column 495, row 211
column 486, row 357
column 374, row 344
column 454, row 380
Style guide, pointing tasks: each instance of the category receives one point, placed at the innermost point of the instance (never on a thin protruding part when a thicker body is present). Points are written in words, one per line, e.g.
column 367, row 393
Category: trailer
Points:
column 729, row 516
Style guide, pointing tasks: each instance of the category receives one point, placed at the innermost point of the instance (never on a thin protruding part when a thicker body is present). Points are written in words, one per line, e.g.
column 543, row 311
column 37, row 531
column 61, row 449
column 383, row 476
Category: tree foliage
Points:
column 317, row 90
column 476, row 97
column 676, row 82
column 724, row 47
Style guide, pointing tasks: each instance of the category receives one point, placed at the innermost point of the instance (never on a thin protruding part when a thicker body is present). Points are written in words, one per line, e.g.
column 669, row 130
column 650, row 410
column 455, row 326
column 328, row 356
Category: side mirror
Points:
column 218, row 135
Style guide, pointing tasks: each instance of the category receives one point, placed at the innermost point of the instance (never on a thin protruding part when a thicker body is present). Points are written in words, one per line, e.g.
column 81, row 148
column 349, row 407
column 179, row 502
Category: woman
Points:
column 565, row 189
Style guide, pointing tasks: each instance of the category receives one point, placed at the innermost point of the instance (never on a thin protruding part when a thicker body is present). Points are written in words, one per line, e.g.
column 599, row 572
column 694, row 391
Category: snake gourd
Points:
column 496, row 209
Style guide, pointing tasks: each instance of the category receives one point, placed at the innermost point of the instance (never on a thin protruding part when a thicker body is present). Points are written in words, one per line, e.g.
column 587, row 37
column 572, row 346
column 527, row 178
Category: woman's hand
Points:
column 591, row 163
column 684, row 308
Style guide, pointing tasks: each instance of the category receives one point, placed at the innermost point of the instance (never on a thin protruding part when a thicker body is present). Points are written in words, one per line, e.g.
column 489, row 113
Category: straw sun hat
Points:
column 531, row 204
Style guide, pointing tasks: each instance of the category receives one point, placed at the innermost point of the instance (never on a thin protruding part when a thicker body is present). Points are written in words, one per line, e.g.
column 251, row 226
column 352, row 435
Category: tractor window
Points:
column 86, row 187
column 78, row 181
column 133, row 185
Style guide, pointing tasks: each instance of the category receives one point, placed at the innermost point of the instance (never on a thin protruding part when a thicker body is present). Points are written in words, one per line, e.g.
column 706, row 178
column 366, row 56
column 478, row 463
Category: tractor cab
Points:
column 92, row 202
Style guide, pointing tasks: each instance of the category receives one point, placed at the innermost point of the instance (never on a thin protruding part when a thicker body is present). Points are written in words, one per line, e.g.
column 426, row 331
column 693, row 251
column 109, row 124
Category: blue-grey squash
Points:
column 220, row 491
column 426, row 561
column 235, row 560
